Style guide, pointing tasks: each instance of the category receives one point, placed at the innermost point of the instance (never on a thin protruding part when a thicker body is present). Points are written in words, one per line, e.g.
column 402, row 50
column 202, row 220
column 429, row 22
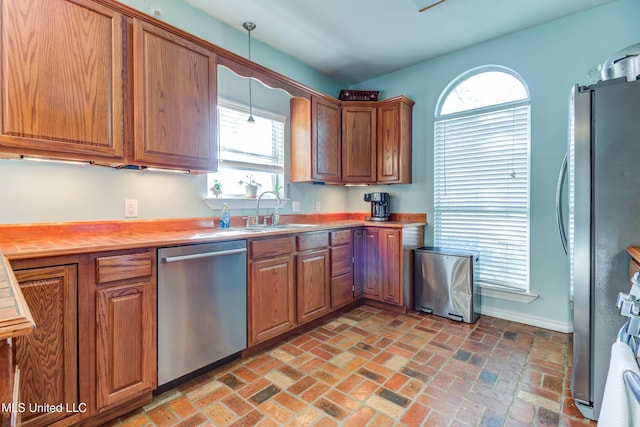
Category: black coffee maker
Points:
column 379, row 206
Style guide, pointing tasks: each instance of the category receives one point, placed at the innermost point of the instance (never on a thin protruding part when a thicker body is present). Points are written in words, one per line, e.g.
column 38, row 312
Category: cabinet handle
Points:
column 178, row 258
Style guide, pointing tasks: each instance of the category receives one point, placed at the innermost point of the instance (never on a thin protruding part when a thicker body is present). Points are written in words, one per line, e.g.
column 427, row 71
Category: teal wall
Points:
column 550, row 58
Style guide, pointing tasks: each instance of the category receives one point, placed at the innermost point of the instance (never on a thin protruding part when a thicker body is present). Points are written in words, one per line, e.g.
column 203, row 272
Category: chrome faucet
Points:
column 275, row 216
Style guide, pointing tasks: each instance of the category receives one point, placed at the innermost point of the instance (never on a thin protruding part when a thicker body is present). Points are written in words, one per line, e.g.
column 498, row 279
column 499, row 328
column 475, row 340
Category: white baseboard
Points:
column 541, row 322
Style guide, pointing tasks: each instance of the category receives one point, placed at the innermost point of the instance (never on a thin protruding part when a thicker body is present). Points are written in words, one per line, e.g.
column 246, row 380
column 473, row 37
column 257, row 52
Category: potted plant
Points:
column 251, row 187
column 217, row 188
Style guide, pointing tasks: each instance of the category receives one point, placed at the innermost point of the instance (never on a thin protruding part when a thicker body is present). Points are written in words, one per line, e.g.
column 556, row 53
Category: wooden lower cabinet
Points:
column 368, row 268
column 271, row 297
column 378, row 252
column 390, row 254
column 125, row 327
column 342, row 288
column 48, row 357
column 313, row 285
column 125, row 344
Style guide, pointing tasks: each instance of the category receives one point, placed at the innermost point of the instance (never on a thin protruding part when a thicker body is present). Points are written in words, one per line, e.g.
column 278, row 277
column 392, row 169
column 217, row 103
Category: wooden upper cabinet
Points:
column 62, row 92
column 315, row 140
column 175, row 97
column 358, row 143
column 394, row 140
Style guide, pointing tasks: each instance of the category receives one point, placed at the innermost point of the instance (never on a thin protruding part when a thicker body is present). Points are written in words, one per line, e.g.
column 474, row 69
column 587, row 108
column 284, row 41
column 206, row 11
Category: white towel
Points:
column 615, row 411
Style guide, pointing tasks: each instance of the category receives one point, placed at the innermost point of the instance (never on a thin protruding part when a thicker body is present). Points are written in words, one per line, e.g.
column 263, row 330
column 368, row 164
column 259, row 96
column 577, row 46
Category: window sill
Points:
column 239, row 202
column 509, row 295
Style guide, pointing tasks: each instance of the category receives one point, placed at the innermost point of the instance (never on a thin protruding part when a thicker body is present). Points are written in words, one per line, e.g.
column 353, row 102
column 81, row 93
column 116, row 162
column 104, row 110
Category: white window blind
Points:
column 254, row 147
column 254, row 150
column 481, row 199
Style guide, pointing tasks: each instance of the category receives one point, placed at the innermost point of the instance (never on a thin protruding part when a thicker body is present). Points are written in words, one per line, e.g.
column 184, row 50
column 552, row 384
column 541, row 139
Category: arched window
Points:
column 482, row 134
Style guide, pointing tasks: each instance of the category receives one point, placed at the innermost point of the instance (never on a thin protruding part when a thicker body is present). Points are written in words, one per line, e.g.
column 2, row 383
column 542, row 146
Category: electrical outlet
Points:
column 317, row 205
column 295, row 207
column 130, row 208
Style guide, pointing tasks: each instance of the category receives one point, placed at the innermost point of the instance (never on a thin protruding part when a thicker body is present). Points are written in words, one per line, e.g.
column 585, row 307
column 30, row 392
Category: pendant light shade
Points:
column 250, row 26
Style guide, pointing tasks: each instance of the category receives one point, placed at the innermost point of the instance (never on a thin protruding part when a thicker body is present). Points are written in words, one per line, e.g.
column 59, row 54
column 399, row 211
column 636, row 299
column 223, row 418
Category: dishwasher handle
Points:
column 179, row 258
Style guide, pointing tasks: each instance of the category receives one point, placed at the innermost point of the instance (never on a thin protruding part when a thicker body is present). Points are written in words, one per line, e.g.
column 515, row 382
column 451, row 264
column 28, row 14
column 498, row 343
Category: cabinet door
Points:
column 175, row 100
column 313, row 285
column 370, row 264
column 271, row 298
column 359, row 144
column 48, row 356
column 62, row 91
column 390, row 256
column 326, row 154
column 125, row 344
column 358, row 257
column 394, row 141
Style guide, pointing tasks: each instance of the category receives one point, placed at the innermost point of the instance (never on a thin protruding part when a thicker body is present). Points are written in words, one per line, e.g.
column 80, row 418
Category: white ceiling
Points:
column 354, row 40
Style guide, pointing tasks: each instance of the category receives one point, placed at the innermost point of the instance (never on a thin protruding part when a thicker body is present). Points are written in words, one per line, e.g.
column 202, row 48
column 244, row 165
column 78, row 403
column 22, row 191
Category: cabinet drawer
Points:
column 122, row 267
column 341, row 237
column 313, row 241
column 271, row 247
column 341, row 261
column 341, row 290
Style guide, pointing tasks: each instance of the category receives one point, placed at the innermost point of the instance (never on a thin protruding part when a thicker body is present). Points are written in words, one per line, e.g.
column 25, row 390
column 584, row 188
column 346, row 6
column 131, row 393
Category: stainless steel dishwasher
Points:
column 202, row 306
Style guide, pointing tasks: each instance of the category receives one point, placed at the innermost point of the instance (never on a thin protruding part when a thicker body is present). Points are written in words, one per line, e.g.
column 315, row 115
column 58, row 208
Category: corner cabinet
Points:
column 62, row 92
column 175, row 98
column 351, row 142
column 359, row 135
column 394, row 140
column 384, row 258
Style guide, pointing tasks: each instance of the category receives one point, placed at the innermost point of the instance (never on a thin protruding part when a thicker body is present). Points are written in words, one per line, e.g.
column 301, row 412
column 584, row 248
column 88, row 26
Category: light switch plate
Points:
column 295, row 207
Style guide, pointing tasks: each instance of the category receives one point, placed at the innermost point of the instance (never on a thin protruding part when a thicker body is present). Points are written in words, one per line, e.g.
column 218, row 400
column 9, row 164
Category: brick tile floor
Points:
column 370, row 367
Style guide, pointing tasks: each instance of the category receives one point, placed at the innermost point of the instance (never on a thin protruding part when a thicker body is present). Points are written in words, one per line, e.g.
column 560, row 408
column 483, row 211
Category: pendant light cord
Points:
column 250, row 26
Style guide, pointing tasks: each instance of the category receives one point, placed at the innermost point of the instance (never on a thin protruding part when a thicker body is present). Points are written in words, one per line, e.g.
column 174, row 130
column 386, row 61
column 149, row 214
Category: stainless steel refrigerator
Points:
column 603, row 168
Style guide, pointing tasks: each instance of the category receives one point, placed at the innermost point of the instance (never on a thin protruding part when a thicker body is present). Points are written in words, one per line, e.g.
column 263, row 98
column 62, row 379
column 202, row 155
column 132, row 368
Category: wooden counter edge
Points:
column 634, row 251
column 19, row 321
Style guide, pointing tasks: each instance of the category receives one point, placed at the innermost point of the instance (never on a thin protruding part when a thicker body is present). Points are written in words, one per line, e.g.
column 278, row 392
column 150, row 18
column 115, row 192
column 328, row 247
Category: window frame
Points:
column 257, row 113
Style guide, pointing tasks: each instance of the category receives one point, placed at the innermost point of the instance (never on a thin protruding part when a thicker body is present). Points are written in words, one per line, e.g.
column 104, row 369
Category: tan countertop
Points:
column 28, row 241
column 15, row 317
column 24, row 241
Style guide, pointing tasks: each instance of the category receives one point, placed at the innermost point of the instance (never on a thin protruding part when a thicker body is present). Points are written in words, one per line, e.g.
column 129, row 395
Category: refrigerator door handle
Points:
column 559, row 211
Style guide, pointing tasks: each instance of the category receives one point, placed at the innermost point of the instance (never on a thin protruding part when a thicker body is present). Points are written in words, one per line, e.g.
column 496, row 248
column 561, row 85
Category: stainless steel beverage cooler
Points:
column 444, row 283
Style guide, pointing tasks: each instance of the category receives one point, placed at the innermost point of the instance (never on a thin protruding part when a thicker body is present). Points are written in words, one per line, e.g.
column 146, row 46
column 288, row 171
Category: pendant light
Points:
column 250, row 26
